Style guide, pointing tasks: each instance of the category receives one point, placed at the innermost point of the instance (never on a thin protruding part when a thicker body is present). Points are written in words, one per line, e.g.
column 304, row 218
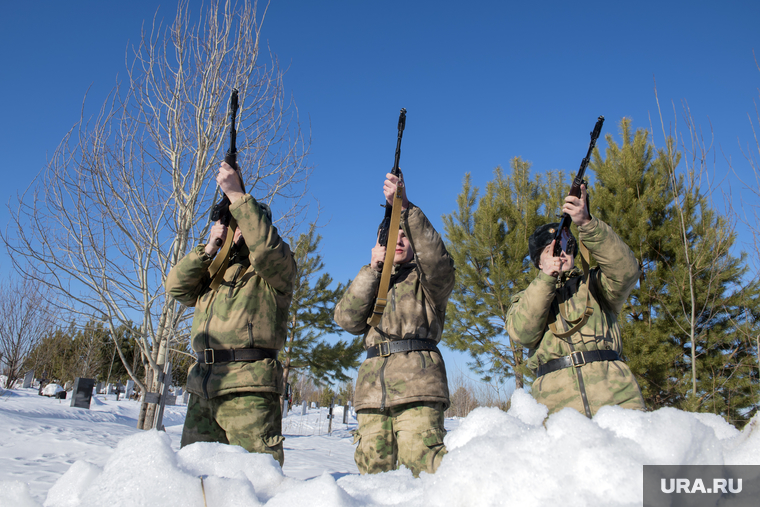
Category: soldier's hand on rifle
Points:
column 378, row 256
column 551, row 265
column 218, row 231
column 575, row 207
column 229, row 181
column 389, row 189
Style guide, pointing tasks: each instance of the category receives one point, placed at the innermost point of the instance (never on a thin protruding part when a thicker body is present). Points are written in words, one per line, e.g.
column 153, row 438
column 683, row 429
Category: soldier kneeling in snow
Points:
column 568, row 318
column 238, row 329
column 401, row 390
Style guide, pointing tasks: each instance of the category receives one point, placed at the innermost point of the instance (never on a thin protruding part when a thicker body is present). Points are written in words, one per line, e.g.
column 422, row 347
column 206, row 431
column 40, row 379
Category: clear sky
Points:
column 483, row 82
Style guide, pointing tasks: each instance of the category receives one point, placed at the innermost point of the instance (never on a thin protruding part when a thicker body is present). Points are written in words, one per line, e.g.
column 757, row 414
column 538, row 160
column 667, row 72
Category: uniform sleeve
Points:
column 620, row 270
column 353, row 309
column 269, row 254
column 527, row 317
column 435, row 265
column 189, row 278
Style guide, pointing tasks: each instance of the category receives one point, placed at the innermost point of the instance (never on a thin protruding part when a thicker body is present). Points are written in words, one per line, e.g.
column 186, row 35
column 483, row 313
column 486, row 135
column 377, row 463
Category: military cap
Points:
column 543, row 236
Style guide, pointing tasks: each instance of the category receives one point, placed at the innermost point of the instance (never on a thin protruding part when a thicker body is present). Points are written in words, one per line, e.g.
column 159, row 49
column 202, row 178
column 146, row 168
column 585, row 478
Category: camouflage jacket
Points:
column 610, row 283
column 417, row 296
column 249, row 309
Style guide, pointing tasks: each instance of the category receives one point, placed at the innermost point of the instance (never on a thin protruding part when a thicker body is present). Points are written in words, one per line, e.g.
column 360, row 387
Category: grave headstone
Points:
column 28, row 378
column 303, row 408
column 185, row 397
column 99, row 388
column 82, row 394
column 345, row 414
column 129, row 389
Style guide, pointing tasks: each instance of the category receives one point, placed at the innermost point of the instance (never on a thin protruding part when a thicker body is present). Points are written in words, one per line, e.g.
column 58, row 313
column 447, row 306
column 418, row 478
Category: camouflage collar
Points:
column 398, row 268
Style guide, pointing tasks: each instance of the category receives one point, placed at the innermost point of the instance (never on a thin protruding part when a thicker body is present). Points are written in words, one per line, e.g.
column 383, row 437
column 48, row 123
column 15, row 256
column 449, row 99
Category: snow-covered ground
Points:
column 53, row 455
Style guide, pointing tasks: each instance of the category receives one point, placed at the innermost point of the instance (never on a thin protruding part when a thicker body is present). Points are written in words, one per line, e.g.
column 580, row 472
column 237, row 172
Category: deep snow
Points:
column 56, row 456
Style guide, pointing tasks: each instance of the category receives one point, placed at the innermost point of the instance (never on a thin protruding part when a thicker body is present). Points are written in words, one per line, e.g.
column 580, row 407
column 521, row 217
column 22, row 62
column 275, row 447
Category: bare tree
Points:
column 25, row 319
column 126, row 194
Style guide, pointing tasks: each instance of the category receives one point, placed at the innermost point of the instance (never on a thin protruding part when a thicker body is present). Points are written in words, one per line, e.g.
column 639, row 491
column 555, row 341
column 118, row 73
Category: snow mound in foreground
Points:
column 495, row 458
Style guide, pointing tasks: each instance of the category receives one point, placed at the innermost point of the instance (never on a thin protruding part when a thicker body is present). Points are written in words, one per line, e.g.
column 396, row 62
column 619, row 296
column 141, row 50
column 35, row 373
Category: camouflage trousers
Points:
column 409, row 435
column 251, row 420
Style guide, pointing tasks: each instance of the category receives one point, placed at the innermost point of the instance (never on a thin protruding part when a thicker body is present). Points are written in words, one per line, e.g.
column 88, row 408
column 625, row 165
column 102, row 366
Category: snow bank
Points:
column 495, row 458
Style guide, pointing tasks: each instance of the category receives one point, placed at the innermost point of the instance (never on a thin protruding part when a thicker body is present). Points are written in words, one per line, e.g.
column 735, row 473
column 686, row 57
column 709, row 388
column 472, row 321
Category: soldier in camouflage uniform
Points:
column 238, row 329
column 401, row 390
column 568, row 319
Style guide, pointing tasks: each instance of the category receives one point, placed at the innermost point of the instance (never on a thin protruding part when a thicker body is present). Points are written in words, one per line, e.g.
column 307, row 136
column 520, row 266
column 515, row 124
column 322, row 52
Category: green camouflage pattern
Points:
column 528, row 319
column 416, row 308
column 409, row 435
column 249, row 309
column 252, row 421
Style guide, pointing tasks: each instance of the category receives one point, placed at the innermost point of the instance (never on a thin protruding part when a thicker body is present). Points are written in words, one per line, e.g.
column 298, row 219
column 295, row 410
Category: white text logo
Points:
column 685, row 486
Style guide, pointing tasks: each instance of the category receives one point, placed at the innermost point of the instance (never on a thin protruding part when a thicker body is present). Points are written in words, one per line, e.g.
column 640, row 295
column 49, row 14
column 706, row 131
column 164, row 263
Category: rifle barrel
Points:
column 382, row 231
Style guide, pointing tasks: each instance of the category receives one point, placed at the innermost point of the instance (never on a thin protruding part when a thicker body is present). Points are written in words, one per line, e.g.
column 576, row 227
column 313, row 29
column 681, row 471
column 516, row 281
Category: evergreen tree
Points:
column 326, row 396
column 488, row 239
column 86, row 351
column 685, row 326
column 311, row 317
column 346, row 392
column 51, row 359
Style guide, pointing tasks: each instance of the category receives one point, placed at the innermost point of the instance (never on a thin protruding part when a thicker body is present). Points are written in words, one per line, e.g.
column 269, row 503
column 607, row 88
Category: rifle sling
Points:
column 219, row 265
column 581, row 322
column 589, row 309
column 390, row 253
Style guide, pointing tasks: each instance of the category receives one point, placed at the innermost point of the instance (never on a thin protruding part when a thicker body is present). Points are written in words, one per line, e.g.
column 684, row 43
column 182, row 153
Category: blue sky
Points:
column 483, row 82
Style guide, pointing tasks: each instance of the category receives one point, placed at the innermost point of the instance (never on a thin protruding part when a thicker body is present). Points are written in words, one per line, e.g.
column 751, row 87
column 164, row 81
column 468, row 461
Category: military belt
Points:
column 213, row 356
column 385, row 349
column 577, row 358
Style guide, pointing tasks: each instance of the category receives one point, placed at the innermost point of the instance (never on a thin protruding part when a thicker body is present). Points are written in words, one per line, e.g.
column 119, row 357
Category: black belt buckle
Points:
column 387, row 349
column 581, row 362
column 208, row 356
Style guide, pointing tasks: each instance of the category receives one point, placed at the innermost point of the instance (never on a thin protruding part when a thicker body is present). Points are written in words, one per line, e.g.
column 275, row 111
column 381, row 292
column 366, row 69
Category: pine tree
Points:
column 310, row 318
column 489, row 244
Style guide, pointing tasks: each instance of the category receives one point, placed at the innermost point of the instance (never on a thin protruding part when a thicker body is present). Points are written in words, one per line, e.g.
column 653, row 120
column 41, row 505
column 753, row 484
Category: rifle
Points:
column 575, row 188
column 382, row 230
column 389, row 225
column 221, row 210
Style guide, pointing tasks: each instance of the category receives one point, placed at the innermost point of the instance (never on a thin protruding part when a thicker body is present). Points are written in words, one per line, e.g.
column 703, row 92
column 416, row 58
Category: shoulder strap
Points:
column 589, row 309
column 219, row 265
column 390, row 252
